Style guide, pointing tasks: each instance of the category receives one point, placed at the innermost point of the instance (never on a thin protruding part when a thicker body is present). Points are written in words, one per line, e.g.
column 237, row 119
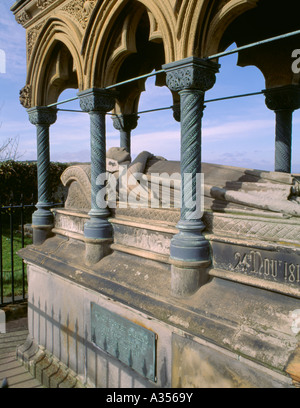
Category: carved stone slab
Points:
column 269, row 264
column 142, row 238
column 130, row 343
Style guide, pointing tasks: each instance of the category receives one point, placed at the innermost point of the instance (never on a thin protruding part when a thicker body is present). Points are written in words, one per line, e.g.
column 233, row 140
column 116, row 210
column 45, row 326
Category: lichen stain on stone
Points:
column 202, row 373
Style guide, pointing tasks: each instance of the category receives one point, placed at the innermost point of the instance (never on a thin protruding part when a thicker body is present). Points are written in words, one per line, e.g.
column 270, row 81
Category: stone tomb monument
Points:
column 116, row 323
column 158, row 296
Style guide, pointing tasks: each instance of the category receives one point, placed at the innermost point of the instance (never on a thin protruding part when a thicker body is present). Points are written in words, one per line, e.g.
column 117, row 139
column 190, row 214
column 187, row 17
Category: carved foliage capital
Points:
column 283, row 98
column 41, row 115
column 125, row 123
column 191, row 73
column 94, row 100
column 25, row 96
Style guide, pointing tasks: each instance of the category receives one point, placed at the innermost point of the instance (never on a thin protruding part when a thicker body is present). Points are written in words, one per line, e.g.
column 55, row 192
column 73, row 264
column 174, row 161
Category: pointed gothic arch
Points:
column 54, row 62
column 114, row 25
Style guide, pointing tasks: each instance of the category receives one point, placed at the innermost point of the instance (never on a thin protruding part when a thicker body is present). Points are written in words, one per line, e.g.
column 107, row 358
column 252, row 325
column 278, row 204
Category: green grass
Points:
column 17, row 263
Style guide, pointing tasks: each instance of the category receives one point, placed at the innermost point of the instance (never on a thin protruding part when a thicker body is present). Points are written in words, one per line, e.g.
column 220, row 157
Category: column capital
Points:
column 96, row 99
column 125, row 122
column 191, row 73
column 41, row 115
column 283, row 98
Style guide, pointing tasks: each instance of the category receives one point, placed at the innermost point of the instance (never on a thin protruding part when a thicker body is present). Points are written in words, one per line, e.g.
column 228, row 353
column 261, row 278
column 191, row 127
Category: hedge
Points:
column 18, row 182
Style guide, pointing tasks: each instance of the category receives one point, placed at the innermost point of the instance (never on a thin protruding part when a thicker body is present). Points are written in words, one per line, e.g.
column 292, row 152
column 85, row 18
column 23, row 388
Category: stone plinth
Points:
column 236, row 331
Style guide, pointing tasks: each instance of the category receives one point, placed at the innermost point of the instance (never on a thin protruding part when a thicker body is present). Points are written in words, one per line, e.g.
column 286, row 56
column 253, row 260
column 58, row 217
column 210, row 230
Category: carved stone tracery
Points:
column 80, row 10
column 23, row 17
column 171, row 25
column 43, row 4
column 32, row 36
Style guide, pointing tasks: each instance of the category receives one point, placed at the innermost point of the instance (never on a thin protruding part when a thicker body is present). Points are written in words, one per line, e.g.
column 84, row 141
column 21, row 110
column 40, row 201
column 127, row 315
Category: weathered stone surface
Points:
column 197, row 366
column 45, row 367
column 78, row 180
column 142, row 238
column 71, row 221
column 252, row 325
column 238, row 324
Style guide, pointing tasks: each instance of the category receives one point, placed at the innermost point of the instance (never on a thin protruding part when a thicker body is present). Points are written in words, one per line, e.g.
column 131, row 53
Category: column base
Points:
column 187, row 279
column 189, row 245
column 43, row 216
column 40, row 233
column 42, row 224
column 98, row 228
column 95, row 250
column 98, row 234
column 190, row 258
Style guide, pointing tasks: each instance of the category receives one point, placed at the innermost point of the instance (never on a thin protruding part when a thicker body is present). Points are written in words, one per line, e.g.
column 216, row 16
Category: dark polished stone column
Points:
column 97, row 102
column 190, row 251
column 283, row 101
column 125, row 124
column 42, row 219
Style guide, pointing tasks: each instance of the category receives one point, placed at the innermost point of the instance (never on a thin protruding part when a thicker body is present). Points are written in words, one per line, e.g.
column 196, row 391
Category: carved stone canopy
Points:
column 191, row 73
column 283, row 98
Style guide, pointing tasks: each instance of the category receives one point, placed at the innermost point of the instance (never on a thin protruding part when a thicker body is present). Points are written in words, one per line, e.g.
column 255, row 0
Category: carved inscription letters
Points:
column 278, row 270
column 280, row 266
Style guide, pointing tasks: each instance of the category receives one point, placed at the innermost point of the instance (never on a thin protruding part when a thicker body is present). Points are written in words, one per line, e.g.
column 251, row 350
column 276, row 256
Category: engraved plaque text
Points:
column 129, row 342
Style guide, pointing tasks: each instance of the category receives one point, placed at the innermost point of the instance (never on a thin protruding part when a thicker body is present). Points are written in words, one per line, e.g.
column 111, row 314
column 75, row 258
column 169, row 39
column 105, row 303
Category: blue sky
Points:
column 237, row 132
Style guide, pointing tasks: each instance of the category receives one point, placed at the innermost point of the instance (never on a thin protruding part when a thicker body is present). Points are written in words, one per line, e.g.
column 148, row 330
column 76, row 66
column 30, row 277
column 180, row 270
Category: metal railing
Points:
column 13, row 237
column 15, row 233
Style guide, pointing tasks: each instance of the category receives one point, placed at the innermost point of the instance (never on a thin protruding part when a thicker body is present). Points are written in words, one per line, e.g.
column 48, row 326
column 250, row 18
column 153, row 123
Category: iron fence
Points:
column 13, row 236
column 15, row 233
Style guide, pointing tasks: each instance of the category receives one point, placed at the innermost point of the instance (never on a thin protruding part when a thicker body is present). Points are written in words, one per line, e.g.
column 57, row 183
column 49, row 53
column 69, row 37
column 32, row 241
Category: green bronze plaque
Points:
column 130, row 343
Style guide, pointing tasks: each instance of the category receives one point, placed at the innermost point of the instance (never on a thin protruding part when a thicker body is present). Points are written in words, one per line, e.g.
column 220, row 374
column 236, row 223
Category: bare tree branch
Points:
column 9, row 149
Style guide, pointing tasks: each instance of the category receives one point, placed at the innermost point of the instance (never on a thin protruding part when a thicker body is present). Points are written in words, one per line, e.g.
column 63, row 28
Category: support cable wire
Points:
column 255, row 44
column 219, row 55
column 171, row 107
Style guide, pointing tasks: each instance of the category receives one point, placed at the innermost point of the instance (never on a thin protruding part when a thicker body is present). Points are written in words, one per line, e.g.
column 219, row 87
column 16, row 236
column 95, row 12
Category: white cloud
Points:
column 241, row 128
column 14, row 127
